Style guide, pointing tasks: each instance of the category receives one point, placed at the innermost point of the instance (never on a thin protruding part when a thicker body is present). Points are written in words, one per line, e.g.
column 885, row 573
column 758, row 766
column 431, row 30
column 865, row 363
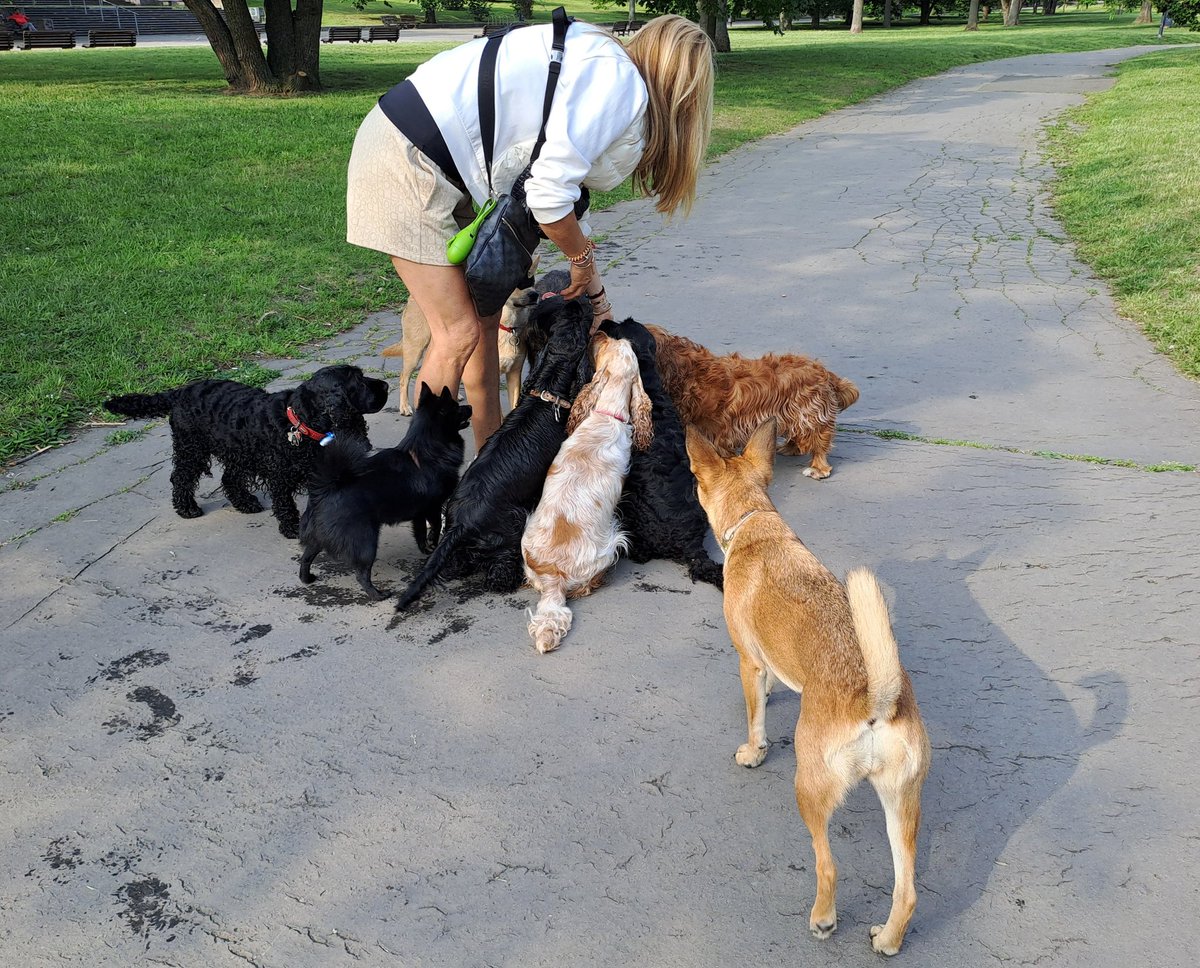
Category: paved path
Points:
column 205, row 764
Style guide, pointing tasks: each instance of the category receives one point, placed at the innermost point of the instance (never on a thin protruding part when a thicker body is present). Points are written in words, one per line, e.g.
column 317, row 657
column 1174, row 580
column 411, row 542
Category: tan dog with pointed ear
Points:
column 510, row 342
column 792, row 621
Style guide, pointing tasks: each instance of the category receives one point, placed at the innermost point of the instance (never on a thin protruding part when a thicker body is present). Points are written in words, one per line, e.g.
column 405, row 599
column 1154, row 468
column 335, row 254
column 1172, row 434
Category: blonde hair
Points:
column 675, row 59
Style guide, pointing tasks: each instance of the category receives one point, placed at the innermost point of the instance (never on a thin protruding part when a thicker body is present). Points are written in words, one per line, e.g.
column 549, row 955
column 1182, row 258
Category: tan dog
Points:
column 792, row 621
column 727, row 397
column 509, row 341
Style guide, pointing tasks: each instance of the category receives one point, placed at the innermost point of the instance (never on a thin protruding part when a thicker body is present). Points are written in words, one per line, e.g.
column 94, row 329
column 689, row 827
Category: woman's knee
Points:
column 458, row 341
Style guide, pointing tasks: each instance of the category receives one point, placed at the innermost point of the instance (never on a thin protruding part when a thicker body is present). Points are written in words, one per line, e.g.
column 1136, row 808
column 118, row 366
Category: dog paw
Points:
column 289, row 530
column 748, row 755
column 882, row 944
column 308, row 579
column 250, row 505
column 822, row 929
column 190, row 511
column 815, row 474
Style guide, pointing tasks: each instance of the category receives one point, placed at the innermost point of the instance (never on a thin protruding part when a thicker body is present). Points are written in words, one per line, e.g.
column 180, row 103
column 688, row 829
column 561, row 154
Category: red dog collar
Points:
column 507, row 329
column 609, row 413
column 299, row 428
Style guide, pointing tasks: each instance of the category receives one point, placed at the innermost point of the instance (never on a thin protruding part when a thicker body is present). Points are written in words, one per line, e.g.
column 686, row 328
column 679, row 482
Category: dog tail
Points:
column 142, row 404
column 552, row 620
column 845, row 391
column 432, row 568
column 396, row 349
column 880, row 653
column 342, row 462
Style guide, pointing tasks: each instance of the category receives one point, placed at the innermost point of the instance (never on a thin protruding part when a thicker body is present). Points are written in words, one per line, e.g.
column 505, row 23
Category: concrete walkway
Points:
column 205, row 764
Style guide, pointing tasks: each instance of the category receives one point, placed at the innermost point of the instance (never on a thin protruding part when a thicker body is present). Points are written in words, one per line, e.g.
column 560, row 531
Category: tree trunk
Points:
column 887, row 13
column 973, row 16
column 1146, row 14
column 714, row 21
column 1012, row 13
column 293, row 41
column 856, row 17
column 816, row 15
column 926, row 10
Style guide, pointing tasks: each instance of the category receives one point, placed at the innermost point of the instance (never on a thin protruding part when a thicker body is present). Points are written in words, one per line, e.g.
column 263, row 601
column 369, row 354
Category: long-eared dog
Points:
column 510, row 341
column 486, row 515
column 791, row 620
column 727, row 398
column 271, row 439
column 351, row 494
column 659, row 511
column 573, row 537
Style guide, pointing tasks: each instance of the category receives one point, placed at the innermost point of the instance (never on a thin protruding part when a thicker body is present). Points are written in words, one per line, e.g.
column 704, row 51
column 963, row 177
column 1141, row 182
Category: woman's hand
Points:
column 581, row 276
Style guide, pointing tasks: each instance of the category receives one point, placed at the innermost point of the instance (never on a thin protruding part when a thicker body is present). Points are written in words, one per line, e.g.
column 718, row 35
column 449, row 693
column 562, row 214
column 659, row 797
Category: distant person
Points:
column 19, row 23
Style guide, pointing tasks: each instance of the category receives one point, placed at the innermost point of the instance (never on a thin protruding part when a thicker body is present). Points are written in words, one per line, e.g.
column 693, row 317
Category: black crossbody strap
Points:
column 487, row 88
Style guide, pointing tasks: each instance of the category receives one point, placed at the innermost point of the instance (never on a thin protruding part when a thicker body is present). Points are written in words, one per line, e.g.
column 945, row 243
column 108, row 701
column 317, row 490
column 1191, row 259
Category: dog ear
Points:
column 585, row 402
column 640, row 412
column 425, row 395
column 703, row 455
column 760, row 450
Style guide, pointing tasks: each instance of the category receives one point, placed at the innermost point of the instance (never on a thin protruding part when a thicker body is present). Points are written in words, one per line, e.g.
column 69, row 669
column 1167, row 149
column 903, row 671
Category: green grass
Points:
column 1129, row 192
column 157, row 230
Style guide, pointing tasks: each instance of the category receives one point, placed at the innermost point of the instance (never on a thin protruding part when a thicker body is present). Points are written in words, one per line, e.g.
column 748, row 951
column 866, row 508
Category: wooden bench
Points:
column 49, row 38
column 103, row 37
column 391, row 33
column 6, row 41
column 495, row 28
column 352, row 34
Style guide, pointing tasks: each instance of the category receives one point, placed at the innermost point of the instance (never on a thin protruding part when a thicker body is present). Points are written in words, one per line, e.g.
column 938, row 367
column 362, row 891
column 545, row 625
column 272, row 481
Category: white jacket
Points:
column 594, row 136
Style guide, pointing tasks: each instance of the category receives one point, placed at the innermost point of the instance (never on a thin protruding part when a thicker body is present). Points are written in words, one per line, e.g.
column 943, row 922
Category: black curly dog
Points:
column 486, row 515
column 352, row 495
column 659, row 510
column 247, row 430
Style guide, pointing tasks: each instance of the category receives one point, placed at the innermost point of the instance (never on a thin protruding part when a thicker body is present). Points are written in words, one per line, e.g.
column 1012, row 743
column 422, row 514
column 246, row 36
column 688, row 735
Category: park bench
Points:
column 352, row 34
column 629, row 27
column 50, row 38
column 112, row 37
column 495, row 27
column 6, row 41
column 406, row 21
column 391, row 33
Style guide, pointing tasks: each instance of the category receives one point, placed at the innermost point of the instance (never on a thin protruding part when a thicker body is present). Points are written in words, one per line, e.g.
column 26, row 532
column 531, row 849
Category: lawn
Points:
column 157, row 229
column 1129, row 192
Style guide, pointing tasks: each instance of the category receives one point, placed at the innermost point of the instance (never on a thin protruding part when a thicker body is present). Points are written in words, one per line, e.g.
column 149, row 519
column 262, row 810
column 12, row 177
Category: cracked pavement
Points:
column 204, row 763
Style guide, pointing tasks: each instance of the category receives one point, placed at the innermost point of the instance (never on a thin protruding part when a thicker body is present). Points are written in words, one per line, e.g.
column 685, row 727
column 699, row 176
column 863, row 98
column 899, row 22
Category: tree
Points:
column 292, row 61
column 1184, row 13
column 856, row 18
column 973, row 16
column 714, row 19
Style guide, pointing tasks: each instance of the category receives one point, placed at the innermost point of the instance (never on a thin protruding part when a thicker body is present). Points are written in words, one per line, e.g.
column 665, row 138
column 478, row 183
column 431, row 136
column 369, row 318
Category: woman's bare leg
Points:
column 457, row 343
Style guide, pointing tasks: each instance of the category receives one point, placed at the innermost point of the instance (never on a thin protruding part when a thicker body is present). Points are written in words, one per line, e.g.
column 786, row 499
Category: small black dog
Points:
column 260, row 438
column 351, row 495
column 486, row 516
column 659, row 510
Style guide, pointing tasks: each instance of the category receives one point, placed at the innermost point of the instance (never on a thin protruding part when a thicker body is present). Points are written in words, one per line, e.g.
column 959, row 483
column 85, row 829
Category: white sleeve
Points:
column 597, row 118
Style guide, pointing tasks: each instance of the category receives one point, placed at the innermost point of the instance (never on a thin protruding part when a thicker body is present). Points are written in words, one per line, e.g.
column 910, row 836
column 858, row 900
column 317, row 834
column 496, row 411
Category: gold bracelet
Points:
column 585, row 257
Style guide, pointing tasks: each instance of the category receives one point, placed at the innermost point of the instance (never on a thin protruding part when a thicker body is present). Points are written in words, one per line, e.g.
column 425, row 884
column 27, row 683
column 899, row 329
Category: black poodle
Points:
column 260, row 438
column 659, row 510
column 486, row 515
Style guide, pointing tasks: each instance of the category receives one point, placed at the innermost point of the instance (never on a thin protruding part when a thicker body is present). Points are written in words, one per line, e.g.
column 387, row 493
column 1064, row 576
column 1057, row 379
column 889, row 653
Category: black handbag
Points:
column 502, row 256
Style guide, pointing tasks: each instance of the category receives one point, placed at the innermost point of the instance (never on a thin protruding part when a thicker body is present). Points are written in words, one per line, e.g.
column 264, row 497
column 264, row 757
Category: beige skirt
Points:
column 398, row 201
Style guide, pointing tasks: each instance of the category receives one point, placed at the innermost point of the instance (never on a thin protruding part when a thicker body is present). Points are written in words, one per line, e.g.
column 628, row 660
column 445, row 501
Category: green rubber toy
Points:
column 459, row 247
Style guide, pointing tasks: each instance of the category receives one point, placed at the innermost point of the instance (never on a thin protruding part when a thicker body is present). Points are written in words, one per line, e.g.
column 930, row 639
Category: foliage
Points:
column 480, row 10
column 1185, row 13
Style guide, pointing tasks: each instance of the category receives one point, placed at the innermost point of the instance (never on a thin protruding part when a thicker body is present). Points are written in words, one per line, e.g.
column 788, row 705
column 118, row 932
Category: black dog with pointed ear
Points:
column 261, row 439
column 486, row 515
column 659, row 511
column 352, row 494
